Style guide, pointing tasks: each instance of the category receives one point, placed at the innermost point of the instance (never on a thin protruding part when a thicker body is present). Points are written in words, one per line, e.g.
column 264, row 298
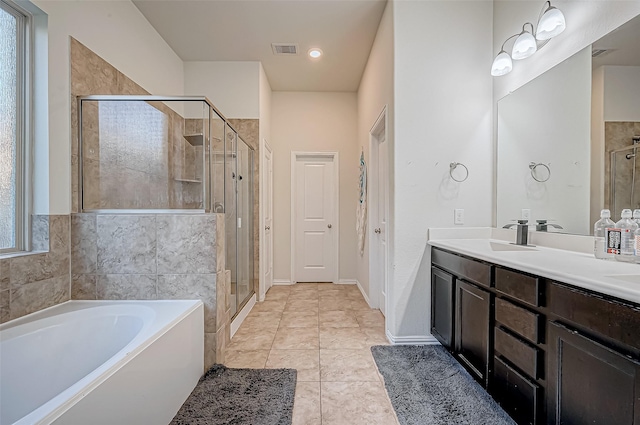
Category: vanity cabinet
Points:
column 548, row 352
column 442, row 292
column 472, row 306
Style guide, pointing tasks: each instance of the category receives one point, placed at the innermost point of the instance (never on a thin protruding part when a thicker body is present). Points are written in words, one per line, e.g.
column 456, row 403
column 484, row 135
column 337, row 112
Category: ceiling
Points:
column 243, row 30
column 623, row 42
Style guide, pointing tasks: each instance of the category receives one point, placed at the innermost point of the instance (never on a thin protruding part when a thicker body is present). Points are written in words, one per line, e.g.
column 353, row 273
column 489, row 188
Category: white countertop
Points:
column 580, row 269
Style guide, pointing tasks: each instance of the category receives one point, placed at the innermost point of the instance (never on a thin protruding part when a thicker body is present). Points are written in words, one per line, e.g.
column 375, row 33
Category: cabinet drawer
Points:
column 516, row 394
column 520, row 286
column 609, row 318
column 517, row 352
column 518, row 319
column 473, row 271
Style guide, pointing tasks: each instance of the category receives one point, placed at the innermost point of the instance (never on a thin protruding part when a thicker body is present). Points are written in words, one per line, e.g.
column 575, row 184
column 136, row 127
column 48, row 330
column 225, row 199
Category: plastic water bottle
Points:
column 627, row 228
column 636, row 216
column 599, row 234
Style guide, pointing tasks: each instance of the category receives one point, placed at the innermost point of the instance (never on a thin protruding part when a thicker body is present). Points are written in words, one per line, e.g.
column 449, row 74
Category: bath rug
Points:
column 240, row 396
column 427, row 386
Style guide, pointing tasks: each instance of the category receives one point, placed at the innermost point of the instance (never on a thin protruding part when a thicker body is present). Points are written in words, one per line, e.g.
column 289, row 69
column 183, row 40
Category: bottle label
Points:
column 636, row 246
column 613, row 238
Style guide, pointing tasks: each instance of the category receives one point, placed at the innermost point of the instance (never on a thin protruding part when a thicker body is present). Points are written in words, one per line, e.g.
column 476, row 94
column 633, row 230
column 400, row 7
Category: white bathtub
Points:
column 101, row 362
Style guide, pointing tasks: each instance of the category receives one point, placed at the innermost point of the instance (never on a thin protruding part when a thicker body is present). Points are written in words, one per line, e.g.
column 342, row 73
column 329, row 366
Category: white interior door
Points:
column 381, row 225
column 268, row 217
column 315, row 247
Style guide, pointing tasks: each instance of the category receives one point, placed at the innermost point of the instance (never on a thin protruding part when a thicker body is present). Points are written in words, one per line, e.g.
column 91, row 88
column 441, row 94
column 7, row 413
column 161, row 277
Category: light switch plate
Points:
column 526, row 214
column 458, row 216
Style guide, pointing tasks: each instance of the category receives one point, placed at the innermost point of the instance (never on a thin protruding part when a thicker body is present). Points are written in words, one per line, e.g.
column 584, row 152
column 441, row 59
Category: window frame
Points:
column 24, row 125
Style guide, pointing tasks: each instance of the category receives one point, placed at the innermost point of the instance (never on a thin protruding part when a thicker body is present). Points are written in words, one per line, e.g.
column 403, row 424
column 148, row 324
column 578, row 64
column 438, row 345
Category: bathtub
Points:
column 101, row 362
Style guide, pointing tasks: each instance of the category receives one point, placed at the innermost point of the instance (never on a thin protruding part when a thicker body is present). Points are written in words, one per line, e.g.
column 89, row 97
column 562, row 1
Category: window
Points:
column 14, row 126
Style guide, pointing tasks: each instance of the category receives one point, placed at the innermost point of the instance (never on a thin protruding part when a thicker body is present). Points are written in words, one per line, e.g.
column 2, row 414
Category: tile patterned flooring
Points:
column 324, row 331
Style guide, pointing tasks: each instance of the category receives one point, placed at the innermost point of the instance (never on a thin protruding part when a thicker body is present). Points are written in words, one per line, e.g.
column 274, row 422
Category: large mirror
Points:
column 565, row 145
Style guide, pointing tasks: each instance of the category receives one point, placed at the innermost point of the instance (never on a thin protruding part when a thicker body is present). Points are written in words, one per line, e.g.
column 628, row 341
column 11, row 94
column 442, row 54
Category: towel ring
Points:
column 533, row 166
column 453, row 166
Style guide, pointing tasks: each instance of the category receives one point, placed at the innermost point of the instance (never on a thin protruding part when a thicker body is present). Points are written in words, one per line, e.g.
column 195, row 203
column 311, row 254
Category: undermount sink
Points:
column 631, row 278
column 509, row 247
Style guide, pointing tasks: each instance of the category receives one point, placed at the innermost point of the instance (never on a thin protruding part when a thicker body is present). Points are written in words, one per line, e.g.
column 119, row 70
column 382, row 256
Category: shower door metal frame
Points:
column 612, row 173
column 142, row 98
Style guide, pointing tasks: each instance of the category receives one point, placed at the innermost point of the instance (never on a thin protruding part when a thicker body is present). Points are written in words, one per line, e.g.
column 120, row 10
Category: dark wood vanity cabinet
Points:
column 549, row 353
column 442, row 292
column 472, row 307
column 590, row 383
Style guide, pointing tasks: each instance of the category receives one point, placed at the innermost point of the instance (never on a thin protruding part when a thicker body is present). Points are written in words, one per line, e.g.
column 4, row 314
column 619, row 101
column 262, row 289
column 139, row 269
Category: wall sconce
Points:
column 551, row 22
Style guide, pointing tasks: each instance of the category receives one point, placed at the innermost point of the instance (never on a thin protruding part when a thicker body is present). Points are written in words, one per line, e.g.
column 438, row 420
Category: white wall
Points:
column 116, row 31
column 530, row 130
column 443, row 104
column 265, row 137
column 621, row 93
column 597, row 143
column 375, row 91
column 233, row 87
column 314, row 121
column 587, row 21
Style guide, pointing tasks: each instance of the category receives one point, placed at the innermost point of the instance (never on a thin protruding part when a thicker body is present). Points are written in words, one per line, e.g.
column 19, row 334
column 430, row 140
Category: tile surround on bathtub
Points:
column 191, row 286
column 126, row 287
column 126, row 244
column 186, row 243
column 84, row 240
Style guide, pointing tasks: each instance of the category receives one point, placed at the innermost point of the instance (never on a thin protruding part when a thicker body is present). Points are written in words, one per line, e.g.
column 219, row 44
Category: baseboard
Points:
column 412, row 340
column 347, row 282
column 364, row 294
column 279, row 282
column 235, row 324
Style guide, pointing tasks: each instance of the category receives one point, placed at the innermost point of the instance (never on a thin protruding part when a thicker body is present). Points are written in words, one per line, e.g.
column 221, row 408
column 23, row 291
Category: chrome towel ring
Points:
column 453, row 166
column 533, row 166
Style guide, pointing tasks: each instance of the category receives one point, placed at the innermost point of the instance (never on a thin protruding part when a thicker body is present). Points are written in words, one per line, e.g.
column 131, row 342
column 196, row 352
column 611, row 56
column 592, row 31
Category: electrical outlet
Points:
column 526, row 214
column 458, row 216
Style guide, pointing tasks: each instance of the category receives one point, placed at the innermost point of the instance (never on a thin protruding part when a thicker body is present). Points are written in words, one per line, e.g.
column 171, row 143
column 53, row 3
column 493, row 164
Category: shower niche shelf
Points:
column 196, row 139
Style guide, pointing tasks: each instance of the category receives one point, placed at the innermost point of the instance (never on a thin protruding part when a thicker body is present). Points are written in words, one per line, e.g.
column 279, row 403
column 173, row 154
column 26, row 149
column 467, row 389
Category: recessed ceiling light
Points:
column 315, row 53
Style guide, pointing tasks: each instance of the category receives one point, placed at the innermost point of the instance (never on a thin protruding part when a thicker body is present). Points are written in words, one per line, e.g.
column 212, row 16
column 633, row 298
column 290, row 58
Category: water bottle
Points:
column 599, row 234
column 636, row 216
column 627, row 228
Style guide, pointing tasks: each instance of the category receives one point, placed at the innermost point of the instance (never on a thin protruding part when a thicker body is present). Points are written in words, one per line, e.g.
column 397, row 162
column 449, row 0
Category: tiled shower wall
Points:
column 154, row 159
column 619, row 135
column 160, row 256
column 40, row 279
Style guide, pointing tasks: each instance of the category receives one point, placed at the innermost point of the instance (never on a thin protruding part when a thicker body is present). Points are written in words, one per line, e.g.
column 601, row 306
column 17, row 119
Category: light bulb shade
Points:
column 524, row 46
column 550, row 24
column 502, row 64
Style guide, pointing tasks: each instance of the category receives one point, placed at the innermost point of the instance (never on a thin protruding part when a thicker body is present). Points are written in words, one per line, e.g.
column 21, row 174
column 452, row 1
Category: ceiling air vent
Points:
column 597, row 53
column 284, row 49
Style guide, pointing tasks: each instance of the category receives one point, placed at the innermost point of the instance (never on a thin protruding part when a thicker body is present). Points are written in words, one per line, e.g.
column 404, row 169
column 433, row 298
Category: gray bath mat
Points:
column 240, row 396
column 427, row 386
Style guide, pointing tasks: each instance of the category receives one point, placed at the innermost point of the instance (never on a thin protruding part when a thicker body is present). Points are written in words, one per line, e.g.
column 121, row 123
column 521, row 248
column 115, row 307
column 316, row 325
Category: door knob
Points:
column 378, row 231
column 329, row 226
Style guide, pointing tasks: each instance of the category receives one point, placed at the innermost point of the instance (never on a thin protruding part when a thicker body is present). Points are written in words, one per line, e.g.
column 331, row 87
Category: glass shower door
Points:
column 230, row 211
column 625, row 190
column 245, row 223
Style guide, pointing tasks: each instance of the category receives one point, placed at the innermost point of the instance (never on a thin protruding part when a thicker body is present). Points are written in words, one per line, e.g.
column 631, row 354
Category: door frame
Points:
column 265, row 181
column 295, row 155
column 379, row 128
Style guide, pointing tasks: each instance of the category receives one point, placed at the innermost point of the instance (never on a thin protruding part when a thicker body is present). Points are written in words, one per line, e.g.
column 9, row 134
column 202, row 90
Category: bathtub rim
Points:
column 46, row 413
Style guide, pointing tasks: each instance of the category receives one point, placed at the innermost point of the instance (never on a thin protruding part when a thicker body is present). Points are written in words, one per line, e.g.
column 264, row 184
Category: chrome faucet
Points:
column 542, row 225
column 522, row 231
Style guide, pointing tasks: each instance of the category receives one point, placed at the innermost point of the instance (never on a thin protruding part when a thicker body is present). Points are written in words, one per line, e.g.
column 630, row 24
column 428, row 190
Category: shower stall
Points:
column 169, row 155
column 625, row 190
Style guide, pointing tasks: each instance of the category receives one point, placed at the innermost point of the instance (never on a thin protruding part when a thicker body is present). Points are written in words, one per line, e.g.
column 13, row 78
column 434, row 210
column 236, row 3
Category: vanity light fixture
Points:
column 525, row 45
column 315, row 53
column 551, row 22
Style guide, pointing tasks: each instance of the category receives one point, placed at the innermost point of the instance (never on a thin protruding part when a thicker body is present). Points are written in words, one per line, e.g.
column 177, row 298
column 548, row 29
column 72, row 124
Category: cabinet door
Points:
column 590, row 383
column 472, row 329
column 442, row 307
